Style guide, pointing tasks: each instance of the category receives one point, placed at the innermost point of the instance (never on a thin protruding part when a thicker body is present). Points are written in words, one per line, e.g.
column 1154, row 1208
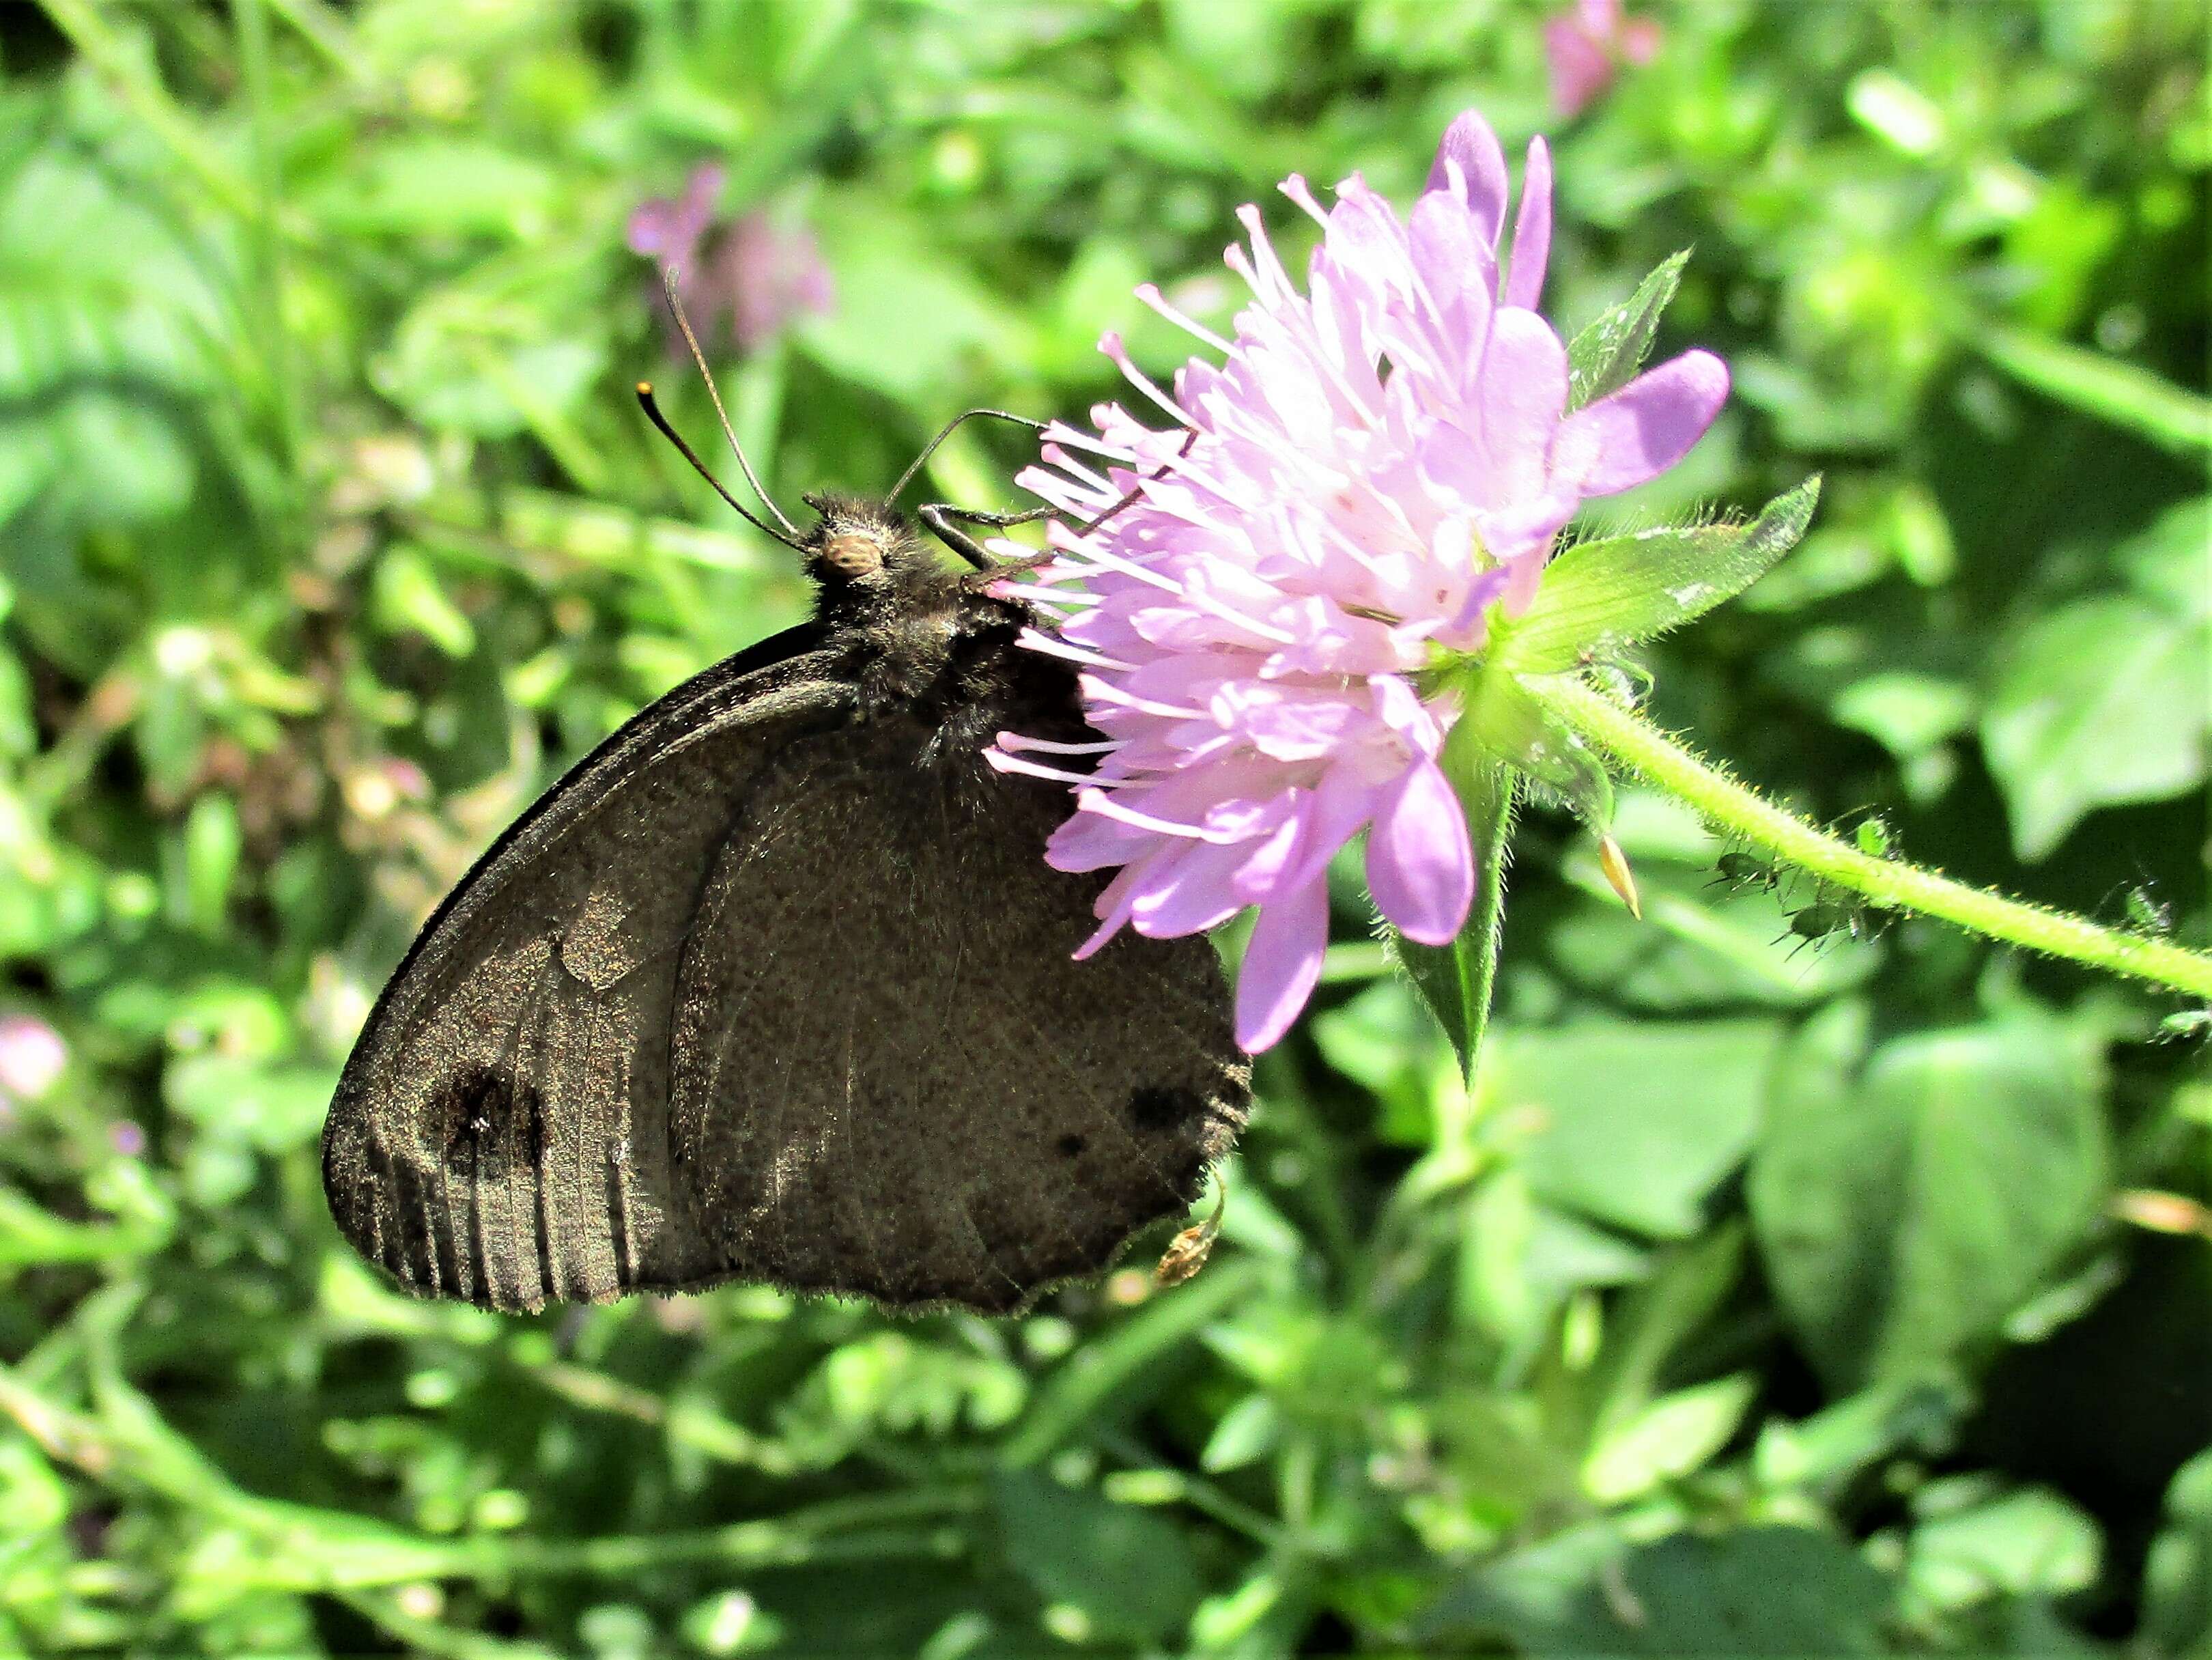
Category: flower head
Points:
column 1585, row 46
column 756, row 272
column 1341, row 504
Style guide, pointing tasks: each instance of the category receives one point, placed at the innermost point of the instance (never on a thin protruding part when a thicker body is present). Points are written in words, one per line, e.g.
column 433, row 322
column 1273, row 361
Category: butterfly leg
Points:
column 939, row 515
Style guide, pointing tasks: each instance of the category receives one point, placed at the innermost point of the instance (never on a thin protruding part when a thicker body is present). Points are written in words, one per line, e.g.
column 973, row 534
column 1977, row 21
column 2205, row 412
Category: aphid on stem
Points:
column 1827, row 916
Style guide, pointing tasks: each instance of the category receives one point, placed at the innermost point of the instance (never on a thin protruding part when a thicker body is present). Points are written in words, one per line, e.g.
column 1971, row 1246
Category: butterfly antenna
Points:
column 675, row 305
column 653, row 413
column 945, row 432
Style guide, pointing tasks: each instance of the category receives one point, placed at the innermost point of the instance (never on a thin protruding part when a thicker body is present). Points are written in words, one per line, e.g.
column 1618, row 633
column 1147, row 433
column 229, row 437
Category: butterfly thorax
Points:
column 928, row 644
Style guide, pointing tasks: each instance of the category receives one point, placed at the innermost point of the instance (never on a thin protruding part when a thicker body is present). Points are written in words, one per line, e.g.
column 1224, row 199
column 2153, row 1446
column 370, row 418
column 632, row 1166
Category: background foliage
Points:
column 1771, row 1294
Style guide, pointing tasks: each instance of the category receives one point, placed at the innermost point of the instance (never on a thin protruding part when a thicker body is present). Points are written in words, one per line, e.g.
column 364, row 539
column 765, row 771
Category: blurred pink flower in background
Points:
column 756, row 273
column 1338, row 507
column 1587, row 44
column 32, row 1057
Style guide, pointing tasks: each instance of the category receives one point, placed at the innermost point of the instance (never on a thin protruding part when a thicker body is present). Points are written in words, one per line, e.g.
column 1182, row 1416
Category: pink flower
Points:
column 32, row 1057
column 1377, row 463
column 758, row 274
column 1586, row 46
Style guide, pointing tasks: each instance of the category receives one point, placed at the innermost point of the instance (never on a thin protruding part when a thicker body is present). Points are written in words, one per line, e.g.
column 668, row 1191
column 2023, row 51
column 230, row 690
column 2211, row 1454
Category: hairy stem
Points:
column 1886, row 884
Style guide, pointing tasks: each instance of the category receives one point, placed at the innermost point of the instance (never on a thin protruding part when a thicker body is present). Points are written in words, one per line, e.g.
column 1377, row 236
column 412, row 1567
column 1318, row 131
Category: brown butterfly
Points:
column 775, row 985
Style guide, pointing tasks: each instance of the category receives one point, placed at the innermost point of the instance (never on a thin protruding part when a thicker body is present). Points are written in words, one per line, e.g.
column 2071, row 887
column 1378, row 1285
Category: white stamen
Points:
column 999, row 761
column 1051, row 646
column 1112, row 346
column 1099, row 802
column 1101, row 556
column 1100, row 691
column 1089, row 475
column 1059, row 433
column 1014, row 740
column 1296, row 188
column 1150, row 295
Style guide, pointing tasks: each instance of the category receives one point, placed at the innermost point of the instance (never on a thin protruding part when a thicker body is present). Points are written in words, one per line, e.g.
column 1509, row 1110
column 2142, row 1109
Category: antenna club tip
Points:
column 645, row 389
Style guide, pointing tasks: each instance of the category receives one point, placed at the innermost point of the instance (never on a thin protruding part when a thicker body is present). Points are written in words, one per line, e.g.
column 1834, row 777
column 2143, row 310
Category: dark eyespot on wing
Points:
column 471, row 1124
column 1070, row 1146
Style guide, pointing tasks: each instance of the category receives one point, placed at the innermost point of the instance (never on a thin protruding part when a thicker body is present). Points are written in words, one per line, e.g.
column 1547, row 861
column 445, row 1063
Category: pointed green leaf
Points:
column 1456, row 980
column 1598, row 598
column 1605, row 357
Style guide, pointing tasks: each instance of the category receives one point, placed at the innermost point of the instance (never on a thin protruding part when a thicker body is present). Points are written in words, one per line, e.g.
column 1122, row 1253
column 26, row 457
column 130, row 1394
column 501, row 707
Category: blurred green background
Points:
column 1773, row 1294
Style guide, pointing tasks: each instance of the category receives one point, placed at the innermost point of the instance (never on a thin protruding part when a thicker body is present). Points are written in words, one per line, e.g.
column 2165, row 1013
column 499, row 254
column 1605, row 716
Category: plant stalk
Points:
column 1887, row 884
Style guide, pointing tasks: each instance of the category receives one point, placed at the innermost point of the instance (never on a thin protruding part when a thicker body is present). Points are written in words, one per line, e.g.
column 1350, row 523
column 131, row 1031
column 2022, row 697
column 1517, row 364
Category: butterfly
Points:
column 775, row 985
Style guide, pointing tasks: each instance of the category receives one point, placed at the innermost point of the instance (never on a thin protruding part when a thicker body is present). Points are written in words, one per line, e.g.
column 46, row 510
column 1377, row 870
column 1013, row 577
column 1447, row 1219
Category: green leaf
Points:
column 2028, row 1544
column 408, row 596
column 2177, row 1614
column 2099, row 702
column 1384, row 1040
column 1675, row 1436
column 1126, row 1571
column 435, row 187
column 1598, row 598
column 1639, row 1122
column 1757, row 1591
column 1605, row 357
column 2118, row 393
column 1456, row 980
column 1245, row 1433
column 213, row 841
column 1904, row 1211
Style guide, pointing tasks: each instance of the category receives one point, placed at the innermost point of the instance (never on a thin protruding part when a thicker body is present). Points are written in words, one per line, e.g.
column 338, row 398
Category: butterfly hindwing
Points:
column 952, row 1109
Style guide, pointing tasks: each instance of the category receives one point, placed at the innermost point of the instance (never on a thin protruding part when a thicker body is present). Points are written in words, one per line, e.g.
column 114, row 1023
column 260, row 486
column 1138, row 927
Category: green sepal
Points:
column 1598, row 598
column 1456, row 980
column 1605, row 357
column 1503, row 720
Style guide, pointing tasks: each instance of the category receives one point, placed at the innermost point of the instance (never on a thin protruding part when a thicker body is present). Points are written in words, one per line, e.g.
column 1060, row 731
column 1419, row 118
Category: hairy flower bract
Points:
column 1377, row 466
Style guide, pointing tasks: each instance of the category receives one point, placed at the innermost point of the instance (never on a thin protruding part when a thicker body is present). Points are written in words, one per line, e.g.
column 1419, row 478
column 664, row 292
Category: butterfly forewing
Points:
column 500, row 1132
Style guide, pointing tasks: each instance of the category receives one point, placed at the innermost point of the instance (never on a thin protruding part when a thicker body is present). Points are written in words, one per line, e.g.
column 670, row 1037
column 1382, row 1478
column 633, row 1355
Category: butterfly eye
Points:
column 852, row 555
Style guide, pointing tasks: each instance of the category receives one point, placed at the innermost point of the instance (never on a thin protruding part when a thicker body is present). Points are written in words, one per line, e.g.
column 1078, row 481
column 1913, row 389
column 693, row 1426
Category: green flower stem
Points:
column 1891, row 885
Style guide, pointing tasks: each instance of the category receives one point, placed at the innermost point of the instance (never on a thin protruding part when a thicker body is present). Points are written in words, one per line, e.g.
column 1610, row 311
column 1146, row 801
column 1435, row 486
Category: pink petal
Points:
column 1532, row 229
column 1331, row 816
column 1469, row 142
column 1523, row 391
column 1648, row 425
column 1281, row 964
column 1112, row 906
column 1262, row 872
column 1186, row 893
column 1420, row 867
column 1449, row 255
